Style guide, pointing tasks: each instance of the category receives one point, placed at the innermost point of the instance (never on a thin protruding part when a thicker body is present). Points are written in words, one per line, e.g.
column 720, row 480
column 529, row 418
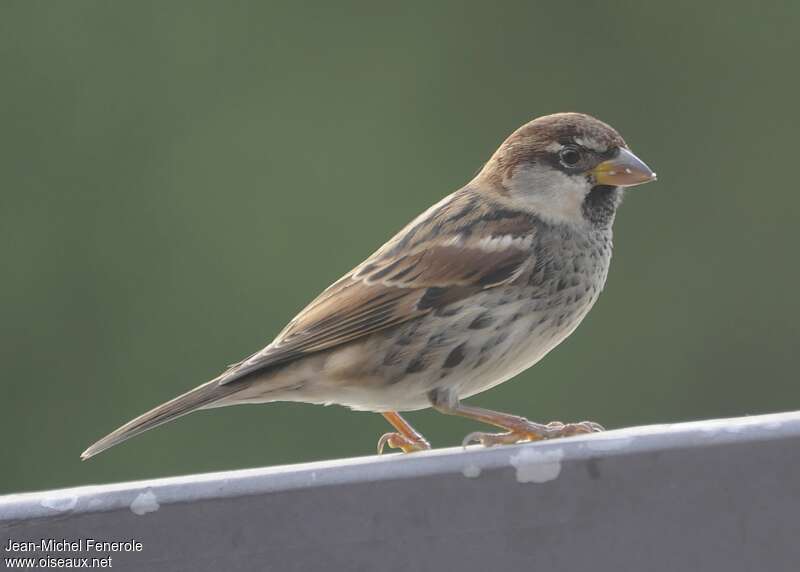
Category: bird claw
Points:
column 532, row 432
column 400, row 441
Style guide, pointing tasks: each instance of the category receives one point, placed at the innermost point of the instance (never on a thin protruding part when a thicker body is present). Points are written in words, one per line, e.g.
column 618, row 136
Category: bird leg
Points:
column 518, row 429
column 406, row 438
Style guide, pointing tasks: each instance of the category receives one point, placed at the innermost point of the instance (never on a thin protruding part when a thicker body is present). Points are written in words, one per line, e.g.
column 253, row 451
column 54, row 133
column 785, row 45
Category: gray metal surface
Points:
column 714, row 495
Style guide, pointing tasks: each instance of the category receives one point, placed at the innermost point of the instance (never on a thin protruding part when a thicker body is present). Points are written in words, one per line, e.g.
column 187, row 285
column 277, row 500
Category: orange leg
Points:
column 406, row 438
column 518, row 429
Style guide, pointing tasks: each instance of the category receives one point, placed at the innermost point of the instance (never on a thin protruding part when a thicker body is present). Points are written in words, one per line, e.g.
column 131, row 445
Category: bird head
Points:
column 567, row 168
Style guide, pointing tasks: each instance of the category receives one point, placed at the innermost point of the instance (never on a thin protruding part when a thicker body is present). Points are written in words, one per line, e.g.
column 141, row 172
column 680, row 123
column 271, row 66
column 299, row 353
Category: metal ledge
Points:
column 709, row 495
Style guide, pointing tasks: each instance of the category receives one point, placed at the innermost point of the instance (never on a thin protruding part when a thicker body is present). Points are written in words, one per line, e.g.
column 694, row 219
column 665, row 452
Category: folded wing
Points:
column 393, row 286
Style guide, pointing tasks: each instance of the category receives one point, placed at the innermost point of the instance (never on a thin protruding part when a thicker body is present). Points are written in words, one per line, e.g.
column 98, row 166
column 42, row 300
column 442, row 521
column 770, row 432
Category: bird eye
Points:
column 569, row 156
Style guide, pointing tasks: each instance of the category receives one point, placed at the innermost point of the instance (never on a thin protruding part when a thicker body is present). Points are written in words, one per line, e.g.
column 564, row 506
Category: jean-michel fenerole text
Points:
column 79, row 545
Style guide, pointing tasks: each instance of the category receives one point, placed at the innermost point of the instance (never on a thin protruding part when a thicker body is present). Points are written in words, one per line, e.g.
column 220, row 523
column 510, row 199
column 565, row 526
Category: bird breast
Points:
column 545, row 307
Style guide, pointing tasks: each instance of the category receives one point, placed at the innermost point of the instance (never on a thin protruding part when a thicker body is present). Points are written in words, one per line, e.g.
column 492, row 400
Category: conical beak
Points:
column 624, row 170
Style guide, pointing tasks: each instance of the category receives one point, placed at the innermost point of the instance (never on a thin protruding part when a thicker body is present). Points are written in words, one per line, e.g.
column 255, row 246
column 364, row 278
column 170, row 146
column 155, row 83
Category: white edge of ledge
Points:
column 142, row 497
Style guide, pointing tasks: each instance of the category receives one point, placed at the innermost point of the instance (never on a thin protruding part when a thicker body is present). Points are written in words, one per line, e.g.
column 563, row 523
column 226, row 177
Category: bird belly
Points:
column 524, row 348
column 549, row 314
column 397, row 371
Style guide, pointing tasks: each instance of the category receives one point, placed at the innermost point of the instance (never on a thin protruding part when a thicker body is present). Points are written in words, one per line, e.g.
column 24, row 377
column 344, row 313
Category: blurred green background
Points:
column 178, row 179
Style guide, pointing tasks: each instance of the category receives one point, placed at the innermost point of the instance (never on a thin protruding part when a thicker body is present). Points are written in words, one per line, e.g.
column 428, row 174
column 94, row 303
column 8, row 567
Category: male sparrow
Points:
column 473, row 291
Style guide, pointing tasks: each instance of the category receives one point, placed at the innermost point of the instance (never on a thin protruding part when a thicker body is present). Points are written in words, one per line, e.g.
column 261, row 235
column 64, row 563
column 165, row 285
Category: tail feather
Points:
column 192, row 400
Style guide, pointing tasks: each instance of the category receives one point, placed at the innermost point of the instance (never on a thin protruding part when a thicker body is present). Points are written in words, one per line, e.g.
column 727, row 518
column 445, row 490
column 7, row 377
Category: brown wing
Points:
column 395, row 285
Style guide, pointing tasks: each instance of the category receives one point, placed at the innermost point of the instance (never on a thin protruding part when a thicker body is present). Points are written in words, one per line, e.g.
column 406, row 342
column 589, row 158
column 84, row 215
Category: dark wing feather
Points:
column 393, row 286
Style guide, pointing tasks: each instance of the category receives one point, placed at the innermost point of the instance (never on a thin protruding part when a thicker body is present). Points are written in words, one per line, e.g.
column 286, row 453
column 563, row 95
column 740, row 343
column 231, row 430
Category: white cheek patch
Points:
column 551, row 194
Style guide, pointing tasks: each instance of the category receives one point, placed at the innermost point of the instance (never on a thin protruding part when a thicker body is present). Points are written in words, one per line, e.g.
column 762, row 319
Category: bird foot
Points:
column 532, row 432
column 400, row 441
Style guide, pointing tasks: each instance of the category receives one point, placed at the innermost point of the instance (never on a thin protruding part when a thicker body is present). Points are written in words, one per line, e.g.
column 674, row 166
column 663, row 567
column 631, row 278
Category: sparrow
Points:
column 478, row 288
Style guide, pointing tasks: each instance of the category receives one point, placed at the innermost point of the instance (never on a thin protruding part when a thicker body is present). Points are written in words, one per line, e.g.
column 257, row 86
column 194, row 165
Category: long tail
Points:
column 192, row 400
